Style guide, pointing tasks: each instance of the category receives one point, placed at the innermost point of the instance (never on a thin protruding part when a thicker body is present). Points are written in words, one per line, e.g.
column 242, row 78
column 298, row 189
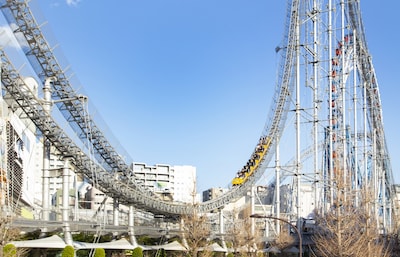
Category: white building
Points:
column 213, row 193
column 20, row 159
column 174, row 183
column 185, row 184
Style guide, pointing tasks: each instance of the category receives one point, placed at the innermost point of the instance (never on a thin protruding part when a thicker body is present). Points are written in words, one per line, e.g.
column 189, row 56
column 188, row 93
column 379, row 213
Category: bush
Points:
column 99, row 252
column 10, row 250
column 161, row 253
column 68, row 251
column 230, row 255
column 137, row 252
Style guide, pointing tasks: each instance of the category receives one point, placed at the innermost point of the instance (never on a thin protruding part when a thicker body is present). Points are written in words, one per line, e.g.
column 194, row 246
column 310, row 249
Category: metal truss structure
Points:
column 326, row 80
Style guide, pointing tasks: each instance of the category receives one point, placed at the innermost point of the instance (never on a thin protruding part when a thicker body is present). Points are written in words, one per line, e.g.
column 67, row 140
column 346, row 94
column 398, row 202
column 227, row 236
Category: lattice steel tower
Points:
column 333, row 97
column 326, row 85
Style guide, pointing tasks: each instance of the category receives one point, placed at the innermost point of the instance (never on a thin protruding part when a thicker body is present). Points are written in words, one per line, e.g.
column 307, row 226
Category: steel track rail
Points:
column 125, row 190
column 275, row 124
column 373, row 95
column 45, row 65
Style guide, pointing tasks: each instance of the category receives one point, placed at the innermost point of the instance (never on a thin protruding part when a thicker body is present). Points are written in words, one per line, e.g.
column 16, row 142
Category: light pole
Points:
column 259, row 216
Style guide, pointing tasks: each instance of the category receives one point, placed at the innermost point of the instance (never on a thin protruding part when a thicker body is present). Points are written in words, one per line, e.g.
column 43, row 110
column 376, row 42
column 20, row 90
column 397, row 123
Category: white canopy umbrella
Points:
column 121, row 244
column 214, row 248
column 53, row 241
column 173, row 246
column 246, row 248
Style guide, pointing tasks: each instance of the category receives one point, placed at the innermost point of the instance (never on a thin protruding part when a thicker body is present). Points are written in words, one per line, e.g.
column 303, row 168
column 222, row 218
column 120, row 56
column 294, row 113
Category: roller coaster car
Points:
column 256, row 158
column 237, row 181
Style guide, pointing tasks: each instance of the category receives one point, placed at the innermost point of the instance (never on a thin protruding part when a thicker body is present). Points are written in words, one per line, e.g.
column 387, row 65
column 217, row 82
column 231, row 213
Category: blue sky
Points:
column 188, row 82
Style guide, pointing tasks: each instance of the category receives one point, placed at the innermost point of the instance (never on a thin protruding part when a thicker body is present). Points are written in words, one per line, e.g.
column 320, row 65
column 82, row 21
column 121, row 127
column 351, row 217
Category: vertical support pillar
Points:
column 375, row 172
column 116, row 212
column 330, row 135
column 266, row 234
column 221, row 227
column 221, row 221
column 277, row 188
column 76, row 203
column 46, row 181
column 298, row 118
column 131, row 226
column 184, row 241
column 366, row 182
column 316, row 74
column 355, row 121
column 345, row 169
column 65, row 202
column 252, row 203
column 46, row 154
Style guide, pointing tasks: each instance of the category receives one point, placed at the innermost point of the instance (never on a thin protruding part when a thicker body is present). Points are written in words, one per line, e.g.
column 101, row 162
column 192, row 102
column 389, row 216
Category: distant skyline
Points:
column 191, row 82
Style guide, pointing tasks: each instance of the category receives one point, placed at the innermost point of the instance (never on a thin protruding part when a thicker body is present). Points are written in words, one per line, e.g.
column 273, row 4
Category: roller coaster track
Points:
column 375, row 107
column 124, row 189
column 373, row 95
column 44, row 63
column 113, row 174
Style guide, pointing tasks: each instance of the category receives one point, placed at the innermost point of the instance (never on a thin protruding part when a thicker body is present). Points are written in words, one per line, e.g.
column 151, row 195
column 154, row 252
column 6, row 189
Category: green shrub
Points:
column 9, row 250
column 99, row 252
column 137, row 252
column 68, row 251
column 161, row 253
column 230, row 255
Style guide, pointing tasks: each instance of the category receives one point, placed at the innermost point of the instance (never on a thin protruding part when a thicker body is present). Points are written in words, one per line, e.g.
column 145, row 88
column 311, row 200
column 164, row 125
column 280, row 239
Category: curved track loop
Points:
column 114, row 176
column 45, row 64
column 373, row 99
column 125, row 189
column 373, row 95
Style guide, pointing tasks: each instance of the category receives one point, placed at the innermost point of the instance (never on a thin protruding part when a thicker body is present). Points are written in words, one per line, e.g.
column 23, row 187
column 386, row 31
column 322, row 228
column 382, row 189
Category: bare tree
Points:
column 283, row 240
column 349, row 229
column 196, row 229
column 196, row 232
column 8, row 234
column 240, row 235
column 235, row 235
